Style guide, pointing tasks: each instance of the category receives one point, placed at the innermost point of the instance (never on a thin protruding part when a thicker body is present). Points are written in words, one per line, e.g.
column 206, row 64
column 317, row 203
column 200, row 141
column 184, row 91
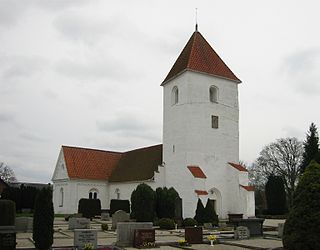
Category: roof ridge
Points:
column 93, row 149
column 146, row 147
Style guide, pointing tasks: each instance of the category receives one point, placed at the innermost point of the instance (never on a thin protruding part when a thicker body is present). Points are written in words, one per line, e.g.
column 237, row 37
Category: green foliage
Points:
column 116, row 205
column 210, row 214
column 302, row 228
column 199, row 213
column 165, row 202
column 166, row 223
column 104, row 227
column 24, row 197
column 7, row 213
column 143, row 203
column 43, row 219
column 89, row 207
column 311, row 147
column 275, row 195
column 189, row 222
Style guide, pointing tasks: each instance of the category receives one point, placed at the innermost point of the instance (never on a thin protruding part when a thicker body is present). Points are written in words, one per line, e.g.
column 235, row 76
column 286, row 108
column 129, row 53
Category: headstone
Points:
column 24, row 224
column 7, row 238
column 280, row 229
column 85, row 236
column 105, row 216
column 125, row 232
column 119, row 216
column 255, row 225
column 241, row 233
column 79, row 223
column 144, row 238
column 193, row 235
column 235, row 217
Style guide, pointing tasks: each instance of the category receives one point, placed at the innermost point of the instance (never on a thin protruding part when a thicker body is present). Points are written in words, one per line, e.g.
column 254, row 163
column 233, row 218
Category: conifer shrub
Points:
column 165, row 202
column 189, row 222
column 302, row 228
column 7, row 213
column 199, row 217
column 143, row 203
column 210, row 215
column 116, row 205
column 104, row 227
column 89, row 207
column 43, row 220
column 275, row 195
column 166, row 223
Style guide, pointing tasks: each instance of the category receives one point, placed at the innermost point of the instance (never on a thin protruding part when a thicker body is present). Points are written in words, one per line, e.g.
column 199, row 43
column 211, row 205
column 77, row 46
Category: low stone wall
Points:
column 24, row 224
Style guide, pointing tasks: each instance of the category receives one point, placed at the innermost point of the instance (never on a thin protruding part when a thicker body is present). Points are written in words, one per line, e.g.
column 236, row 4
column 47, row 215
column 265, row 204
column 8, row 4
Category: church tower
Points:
column 201, row 132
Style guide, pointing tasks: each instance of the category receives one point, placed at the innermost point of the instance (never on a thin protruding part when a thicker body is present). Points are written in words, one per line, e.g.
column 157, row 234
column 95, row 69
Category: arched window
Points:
column 175, row 95
column 61, row 198
column 213, row 93
column 93, row 194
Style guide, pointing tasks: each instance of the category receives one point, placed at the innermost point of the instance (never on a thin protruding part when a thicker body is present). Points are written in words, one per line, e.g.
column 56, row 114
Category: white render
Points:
column 189, row 139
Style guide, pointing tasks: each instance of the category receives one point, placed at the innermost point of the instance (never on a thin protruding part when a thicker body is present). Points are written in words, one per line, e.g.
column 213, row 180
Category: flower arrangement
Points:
column 212, row 237
column 182, row 242
column 88, row 246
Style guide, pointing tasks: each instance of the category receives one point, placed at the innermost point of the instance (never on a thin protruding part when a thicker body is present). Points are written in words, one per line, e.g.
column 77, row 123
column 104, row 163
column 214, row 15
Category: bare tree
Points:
column 6, row 173
column 282, row 158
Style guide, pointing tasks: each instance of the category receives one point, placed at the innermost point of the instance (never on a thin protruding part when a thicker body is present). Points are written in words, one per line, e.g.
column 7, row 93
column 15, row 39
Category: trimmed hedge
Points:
column 116, row 205
column 7, row 213
column 89, row 207
column 166, row 223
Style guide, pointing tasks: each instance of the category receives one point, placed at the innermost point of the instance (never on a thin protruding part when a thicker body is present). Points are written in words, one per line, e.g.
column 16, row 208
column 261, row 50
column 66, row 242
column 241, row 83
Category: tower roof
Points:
column 199, row 56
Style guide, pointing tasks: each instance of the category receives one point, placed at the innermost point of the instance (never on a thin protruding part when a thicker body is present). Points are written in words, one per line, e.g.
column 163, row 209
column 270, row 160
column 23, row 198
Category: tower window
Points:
column 175, row 95
column 61, row 198
column 213, row 94
column 214, row 121
column 93, row 194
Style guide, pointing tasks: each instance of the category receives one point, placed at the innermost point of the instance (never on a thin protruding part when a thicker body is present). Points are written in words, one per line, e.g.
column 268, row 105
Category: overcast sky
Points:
column 88, row 73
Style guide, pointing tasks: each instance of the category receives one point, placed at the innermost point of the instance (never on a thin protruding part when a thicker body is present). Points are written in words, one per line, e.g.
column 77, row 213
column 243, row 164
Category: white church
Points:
column 199, row 156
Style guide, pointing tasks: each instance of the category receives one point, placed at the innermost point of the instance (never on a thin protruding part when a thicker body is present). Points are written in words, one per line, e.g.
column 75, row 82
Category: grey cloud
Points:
column 4, row 117
column 31, row 137
column 302, row 71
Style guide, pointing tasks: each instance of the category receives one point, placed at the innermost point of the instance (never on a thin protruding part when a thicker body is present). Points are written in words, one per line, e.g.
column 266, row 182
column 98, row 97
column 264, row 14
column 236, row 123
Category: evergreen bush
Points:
column 275, row 195
column 189, row 222
column 302, row 228
column 199, row 217
column 7, row 213
column 143, row 203
column 116, row 205
column 166, row 223
column 43, row 220
column 165, row 202
column 210, row 215
column 104, row 227
column 89, row 207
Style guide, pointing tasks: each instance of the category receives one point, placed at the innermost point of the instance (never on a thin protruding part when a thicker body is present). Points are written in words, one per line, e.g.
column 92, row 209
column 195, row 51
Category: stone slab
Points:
column 119, row 216
column 79, row 223
column 125, row 232
column 193, row 235
column 85, row 236
column 241, row 233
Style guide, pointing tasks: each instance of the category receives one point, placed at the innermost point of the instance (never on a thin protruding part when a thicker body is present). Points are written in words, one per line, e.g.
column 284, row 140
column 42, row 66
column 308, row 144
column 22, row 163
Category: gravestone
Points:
column 255, row 225
column 125, row 232
column 79, row 223
column 193, row 235
column 144, row 237
column 7, row 238
column 280, row 229
column 24, row 224
column 85, row 236
column 105, row 216
column 241, row 233
column 119, row 216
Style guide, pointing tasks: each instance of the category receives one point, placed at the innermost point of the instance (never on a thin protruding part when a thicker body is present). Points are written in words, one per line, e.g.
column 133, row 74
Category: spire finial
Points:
column 196, row 19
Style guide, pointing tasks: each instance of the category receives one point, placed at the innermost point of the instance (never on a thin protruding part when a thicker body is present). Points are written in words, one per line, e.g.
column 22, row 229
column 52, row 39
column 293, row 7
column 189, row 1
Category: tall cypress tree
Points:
column 275, row 195
column 311, row 147
column 199, row 217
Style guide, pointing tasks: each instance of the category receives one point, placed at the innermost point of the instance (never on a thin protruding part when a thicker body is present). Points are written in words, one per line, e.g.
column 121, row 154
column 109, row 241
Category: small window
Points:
column 213, row 94
column 117, row 191
column 95, row 196
column 214, row 121
column 175, row 95
column 61, row 198
column 93, row 193
column 90, row 195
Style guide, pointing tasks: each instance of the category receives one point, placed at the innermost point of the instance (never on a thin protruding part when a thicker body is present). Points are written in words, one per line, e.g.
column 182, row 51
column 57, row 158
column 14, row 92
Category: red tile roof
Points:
column 201, row 192
column 199, row 56
column 238, row 166
column 248, row 188
column 93, row 164
column 197, row 172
